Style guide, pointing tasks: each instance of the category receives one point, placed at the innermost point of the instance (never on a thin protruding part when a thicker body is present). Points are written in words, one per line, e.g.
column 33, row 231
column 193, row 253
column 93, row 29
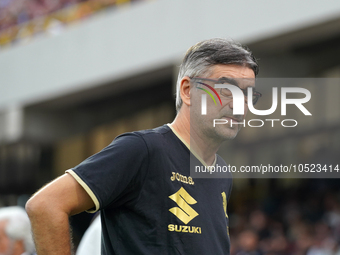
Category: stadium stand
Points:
column 21, row 20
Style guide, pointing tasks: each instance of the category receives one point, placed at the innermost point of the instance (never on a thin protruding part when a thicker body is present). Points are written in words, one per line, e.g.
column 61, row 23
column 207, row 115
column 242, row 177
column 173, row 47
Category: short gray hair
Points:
column 18, row 226
column 199, row 59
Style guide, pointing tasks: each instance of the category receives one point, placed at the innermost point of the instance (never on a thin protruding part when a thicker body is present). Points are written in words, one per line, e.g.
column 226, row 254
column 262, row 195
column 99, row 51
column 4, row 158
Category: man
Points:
column 141, row 182
column 15, row 232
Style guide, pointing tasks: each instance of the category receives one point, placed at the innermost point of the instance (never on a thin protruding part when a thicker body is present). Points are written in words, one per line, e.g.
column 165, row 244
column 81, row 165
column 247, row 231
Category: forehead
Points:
column 245, row 74
column 232, row 71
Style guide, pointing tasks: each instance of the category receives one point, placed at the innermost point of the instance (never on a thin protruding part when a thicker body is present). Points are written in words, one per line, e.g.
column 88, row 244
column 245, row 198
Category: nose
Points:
column 231, row 104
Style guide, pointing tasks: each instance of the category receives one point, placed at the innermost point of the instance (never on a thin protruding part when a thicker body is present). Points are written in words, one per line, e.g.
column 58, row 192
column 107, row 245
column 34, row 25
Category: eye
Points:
column 226, row 92
column 222, row 80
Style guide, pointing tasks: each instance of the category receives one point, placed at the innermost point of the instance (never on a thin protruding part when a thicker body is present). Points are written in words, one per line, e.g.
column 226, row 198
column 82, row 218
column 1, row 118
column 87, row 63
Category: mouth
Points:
column 232, row 119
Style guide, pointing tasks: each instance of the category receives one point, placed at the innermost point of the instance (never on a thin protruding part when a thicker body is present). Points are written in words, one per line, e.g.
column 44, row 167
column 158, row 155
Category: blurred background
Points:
column 75, row 74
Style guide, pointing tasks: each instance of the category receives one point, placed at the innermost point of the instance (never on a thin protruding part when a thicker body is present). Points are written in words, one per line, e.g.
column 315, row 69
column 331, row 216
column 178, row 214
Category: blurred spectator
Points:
column 324, row 242
column 90, row 244
column 248, row 243
column 258, row 222
column 333, row 210
column 305, row 221
column 15, row 232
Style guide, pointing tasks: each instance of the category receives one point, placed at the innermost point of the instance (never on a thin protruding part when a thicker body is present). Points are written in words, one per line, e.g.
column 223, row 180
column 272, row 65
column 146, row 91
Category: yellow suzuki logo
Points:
column 184, row 212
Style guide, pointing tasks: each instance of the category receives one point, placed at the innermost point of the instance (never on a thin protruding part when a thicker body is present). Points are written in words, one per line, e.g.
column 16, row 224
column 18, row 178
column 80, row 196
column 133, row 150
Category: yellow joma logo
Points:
column 184, row 212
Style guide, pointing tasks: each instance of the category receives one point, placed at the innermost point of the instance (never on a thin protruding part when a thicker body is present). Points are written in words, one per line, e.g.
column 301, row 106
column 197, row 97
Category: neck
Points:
column 203, row 146
column 199, row 144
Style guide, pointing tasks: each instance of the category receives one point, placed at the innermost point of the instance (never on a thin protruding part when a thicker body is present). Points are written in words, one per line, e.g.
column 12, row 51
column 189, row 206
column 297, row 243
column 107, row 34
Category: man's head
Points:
column 200, row 58
column 15, row 231
column 205, row 65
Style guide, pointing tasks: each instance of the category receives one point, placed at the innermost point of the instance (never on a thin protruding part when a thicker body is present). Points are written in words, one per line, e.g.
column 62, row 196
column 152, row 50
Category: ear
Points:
column 185, row 90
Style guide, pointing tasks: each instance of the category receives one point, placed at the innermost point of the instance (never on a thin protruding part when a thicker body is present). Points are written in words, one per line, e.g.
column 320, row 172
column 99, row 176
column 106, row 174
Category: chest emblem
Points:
column 184, row 211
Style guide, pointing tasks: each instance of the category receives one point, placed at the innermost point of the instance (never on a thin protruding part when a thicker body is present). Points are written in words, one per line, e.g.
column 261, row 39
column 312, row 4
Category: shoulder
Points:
column 155, row 132
column 149, row 136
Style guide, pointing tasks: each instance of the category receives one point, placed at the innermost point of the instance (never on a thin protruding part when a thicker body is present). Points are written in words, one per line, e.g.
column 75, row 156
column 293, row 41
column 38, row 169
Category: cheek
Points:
column 245, row 109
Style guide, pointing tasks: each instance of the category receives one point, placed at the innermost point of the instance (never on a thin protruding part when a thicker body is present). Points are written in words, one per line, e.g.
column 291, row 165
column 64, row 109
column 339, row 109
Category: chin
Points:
column 230, row 137
column 228, row 134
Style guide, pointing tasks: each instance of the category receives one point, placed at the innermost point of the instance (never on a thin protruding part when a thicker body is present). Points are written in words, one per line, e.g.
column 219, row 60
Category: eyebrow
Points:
column 228, row 80
column 232, row 81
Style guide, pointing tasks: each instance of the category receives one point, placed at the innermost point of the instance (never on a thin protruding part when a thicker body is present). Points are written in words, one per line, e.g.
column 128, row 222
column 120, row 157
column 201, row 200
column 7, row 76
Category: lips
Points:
column 233, row 118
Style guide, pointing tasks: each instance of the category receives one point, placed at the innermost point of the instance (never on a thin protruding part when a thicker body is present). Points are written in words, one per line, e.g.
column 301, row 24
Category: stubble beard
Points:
column 221, row 132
